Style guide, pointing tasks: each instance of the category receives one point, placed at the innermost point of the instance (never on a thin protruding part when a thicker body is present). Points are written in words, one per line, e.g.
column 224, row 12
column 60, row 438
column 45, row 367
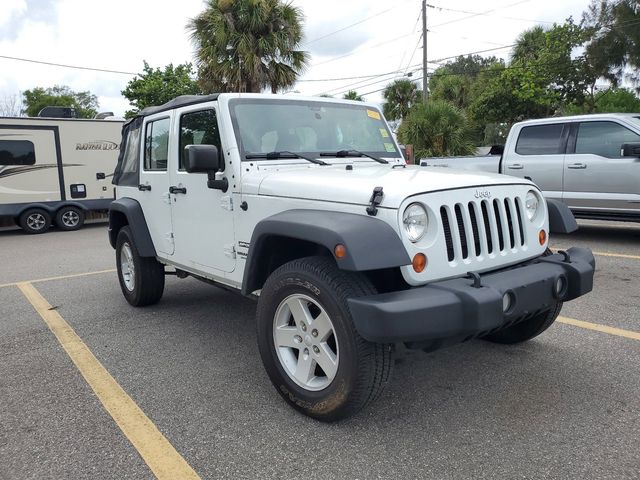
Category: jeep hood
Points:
column 337, row 184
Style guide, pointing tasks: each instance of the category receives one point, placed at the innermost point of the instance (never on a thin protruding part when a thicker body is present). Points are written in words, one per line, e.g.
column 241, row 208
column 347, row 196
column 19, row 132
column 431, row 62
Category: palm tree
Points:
column 248, row 45
column 435, row 129
column 353, row 95
column 529, row 44
column 399, row 97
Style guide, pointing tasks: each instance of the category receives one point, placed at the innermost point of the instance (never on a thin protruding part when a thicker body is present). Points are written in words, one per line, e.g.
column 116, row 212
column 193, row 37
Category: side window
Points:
column 540, row 140
column 603, row 138
column 198, row 128
column 17, row 152
column 156, row 145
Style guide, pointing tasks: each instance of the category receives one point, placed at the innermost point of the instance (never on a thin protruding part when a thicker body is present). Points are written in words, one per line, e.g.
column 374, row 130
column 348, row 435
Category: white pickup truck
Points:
column 306, row 205
column 589, row 162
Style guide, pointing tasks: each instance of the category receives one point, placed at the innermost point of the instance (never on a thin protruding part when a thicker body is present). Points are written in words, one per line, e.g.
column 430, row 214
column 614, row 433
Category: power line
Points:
column 488, row 14
column 482, row 13
column 77, row 67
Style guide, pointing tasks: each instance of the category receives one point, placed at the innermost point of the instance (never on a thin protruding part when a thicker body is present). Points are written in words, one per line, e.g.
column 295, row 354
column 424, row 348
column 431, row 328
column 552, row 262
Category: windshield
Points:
column 265, row 125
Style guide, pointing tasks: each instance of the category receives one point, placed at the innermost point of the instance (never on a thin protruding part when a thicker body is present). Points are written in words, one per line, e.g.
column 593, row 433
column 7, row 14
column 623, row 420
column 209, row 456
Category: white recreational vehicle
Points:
column 55, row 170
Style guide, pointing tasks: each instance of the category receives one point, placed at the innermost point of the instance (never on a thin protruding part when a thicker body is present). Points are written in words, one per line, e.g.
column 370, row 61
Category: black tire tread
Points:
column 61, row 225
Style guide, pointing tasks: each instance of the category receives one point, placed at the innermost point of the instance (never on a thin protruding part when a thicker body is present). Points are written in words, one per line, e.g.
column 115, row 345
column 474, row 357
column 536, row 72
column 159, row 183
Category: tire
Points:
column 141, row 278
column 35, row 220
column 523, row 331
column 356, row 370
column 70, row 218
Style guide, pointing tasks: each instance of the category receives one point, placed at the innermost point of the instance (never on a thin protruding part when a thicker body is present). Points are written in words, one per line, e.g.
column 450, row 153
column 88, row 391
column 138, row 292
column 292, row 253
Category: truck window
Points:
column 198, row 128
column 540, row 140
column 603, row 138
column 17, row 152
column 156, row 145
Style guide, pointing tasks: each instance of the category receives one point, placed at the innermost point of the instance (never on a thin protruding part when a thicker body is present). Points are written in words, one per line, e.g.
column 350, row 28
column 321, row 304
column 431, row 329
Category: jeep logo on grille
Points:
column 483, row 194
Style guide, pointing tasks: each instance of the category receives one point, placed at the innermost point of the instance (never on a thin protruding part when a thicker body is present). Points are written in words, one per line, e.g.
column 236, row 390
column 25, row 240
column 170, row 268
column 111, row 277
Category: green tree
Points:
column 400, row 96
column 615, row 45
column 353, row 95
column 34, row 100
column 611, row 100
column 436, row 128
column 158, row 86
column 248, row 45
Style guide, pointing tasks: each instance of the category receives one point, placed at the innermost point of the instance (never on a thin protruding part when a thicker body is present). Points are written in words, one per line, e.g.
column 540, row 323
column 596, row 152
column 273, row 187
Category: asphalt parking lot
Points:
column 565, row 405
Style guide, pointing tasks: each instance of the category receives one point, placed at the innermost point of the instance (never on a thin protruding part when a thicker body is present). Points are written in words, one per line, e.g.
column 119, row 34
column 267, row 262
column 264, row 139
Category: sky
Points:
column 356, row 38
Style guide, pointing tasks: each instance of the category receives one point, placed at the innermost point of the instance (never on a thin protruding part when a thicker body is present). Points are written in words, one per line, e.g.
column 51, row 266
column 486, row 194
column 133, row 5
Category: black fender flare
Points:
column 371, row 244
column 132, row 211
column 561, row 220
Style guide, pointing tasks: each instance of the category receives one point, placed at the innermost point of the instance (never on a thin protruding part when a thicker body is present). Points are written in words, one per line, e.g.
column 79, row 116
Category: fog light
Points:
column 419, row 262
column 542, row 237
column 507, row 302
column 560, row 286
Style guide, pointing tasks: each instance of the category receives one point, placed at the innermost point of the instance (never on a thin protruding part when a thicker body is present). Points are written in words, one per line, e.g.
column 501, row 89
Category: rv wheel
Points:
column 69, row 218
column 35, row 220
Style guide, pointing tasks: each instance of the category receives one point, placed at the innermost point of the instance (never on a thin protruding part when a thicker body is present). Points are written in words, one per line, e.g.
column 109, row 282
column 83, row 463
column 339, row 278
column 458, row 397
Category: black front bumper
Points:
column 455, row 310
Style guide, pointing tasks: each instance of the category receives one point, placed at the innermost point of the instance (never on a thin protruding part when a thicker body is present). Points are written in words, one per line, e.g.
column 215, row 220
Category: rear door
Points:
column 596, row 175
column 154, row 182
column 538, row 154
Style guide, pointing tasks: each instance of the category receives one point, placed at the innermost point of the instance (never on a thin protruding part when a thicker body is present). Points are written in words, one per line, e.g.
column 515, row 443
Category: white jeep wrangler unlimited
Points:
column 307, row 205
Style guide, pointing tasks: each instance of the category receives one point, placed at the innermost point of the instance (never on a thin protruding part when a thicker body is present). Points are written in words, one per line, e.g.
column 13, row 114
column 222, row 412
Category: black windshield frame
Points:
column 297, row 102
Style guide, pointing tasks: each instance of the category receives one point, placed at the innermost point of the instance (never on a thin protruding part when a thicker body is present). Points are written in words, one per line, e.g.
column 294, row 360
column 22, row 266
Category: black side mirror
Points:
column 631, row 149
column 202, row 159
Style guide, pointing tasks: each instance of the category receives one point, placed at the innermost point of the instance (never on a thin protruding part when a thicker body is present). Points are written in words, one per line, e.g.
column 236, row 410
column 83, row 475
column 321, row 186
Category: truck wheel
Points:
column 69, row 218
column 141, row 278
column 35, row 220
column 523, row 331
column 310, row 349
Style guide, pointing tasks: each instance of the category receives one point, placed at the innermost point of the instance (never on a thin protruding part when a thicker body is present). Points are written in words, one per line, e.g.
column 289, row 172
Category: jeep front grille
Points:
column 483, row 227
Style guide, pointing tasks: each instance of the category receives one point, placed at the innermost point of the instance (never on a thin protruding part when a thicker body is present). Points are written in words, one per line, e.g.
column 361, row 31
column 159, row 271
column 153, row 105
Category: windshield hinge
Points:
column 375, row 200
column 226, row 202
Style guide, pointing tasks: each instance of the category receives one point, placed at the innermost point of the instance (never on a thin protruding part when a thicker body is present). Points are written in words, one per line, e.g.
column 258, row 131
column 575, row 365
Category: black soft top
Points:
column 180, row 101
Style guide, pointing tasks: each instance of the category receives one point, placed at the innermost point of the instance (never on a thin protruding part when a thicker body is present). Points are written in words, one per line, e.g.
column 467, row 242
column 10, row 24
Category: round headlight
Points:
column 531, row 204
column 415, row 220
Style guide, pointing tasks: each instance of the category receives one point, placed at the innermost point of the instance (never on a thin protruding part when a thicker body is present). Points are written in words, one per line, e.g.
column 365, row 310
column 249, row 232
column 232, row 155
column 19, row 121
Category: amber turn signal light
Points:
column 542, row 237
column 419, row 262
column 340, row 251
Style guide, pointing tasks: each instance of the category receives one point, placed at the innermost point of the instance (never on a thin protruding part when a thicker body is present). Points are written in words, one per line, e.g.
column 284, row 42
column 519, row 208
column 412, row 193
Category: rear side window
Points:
column 17, row 152
column 156, row 145
column 198, row 128
column 603, row 138
column 540, row 140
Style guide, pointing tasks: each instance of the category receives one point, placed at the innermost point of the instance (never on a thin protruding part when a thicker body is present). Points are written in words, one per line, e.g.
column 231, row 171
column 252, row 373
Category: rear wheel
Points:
column 69, row 218
column 35, row 220
column 309, row 346
column 141, row 278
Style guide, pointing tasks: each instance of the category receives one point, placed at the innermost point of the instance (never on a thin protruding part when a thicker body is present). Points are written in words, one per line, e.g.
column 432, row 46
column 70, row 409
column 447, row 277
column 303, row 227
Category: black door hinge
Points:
column 375, row 200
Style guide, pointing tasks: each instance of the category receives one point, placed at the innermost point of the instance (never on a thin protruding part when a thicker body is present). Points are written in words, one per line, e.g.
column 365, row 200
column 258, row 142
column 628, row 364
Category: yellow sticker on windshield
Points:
column 384, row 133
column 389, row 147
column 373, row 114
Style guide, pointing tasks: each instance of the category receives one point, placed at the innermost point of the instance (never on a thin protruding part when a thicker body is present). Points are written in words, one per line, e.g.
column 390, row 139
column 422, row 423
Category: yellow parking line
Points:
column 600, row 328
column 608, row 254
column 61, row 277
column 163, row 460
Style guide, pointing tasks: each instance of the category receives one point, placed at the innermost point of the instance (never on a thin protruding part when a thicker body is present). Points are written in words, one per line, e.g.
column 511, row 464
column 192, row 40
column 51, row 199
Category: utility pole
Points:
column 425, row 78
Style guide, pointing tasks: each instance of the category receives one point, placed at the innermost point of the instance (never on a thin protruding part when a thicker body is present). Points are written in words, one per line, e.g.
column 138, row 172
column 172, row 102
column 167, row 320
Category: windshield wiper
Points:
column 352, row 153
column 284, row 154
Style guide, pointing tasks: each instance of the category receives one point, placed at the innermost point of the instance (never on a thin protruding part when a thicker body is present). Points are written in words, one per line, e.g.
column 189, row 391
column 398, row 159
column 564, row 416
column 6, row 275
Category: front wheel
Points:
column 309, row 346
column 528, row 329
column 141, row 278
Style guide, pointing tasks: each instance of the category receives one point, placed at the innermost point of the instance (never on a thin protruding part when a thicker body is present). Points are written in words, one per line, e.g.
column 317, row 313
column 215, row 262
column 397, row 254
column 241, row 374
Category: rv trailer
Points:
column 53, row 171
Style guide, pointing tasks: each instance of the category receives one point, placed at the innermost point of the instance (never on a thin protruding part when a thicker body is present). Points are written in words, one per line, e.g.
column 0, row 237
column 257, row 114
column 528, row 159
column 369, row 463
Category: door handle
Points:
column 144, row 188
column 515, row 166
column 174, row 190
column 576, row 166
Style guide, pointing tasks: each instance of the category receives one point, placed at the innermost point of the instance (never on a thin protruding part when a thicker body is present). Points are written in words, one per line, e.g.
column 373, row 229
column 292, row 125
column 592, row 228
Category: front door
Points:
column 596, row 175
column 202, row 217
column 153, row 193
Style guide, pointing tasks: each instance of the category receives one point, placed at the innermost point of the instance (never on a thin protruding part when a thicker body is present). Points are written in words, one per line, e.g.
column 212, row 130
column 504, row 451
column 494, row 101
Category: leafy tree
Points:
column 611, row 100
column 157, row 86
column 400, row 96
column 248, row 45
column 34, row 100
column 615, row 45
column 436, row 128
column 353, row 95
